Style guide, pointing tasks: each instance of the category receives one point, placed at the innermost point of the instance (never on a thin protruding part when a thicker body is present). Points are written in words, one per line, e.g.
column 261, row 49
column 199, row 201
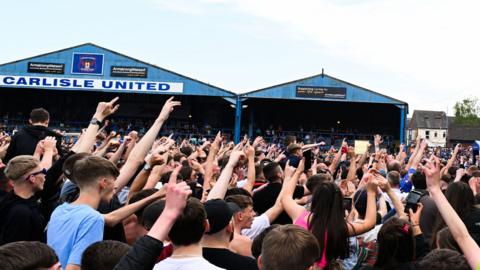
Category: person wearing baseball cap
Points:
column 215, row 241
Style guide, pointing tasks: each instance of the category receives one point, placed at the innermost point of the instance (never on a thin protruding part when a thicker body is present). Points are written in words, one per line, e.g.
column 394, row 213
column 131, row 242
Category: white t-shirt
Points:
column 259, row 224
column 192, row 263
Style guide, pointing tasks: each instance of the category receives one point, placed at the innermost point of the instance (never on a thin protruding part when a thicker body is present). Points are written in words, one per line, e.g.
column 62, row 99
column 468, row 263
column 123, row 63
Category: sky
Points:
column 424, row 52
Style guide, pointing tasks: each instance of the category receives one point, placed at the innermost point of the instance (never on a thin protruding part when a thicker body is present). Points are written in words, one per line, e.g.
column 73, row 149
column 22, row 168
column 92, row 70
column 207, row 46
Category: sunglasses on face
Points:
column 43, row 171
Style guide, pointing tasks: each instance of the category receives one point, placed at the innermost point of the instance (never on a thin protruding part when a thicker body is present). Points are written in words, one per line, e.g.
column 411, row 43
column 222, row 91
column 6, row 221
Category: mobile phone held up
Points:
column 347, row 204
column 412, row 200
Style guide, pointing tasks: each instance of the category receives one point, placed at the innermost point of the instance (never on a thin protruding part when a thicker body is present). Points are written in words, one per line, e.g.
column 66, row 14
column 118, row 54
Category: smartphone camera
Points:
column 412, row 200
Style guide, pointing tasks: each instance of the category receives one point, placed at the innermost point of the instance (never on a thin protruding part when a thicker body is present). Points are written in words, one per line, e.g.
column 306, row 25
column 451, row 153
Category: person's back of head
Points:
column 394, row 166
column 272, row 171
column 289, row 139
column 328, row 216
column 28, row 255
column 316, row 179
column 396, row 244
column 393, row 178
column 461, row 197
column 103, row 255
column 70, row 163
column 190, row 226
column 419, row 181
column 39, row 116
column 137, row 196
column 289, row 247
column 444, row 259
column 445, row 239
column 237, row 191
column 151, row 214
column 88, row 170
column 258, row 241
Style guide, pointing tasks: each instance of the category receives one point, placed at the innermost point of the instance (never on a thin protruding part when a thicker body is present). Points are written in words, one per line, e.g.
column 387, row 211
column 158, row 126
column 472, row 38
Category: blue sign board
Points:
column 87, row 63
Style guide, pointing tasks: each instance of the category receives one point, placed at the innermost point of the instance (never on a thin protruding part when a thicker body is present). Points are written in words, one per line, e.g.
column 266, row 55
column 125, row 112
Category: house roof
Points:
column 428, row 120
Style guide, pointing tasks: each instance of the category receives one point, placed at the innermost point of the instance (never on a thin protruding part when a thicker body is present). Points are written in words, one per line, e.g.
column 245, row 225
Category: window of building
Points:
column 427, row 134
column 435, row 135
column 444, row 134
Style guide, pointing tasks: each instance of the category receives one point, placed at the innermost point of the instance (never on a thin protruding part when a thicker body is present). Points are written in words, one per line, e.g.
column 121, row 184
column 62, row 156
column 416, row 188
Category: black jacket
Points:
column 20, row 220
column 25, row 141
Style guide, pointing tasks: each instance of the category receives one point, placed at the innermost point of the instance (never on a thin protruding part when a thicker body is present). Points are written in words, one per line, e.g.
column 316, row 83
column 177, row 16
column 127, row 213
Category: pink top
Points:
column 302, row 223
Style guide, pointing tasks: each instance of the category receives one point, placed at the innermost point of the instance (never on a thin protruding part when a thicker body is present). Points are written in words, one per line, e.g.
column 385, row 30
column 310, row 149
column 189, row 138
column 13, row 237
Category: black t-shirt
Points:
column 224, row 258
column 265, row 198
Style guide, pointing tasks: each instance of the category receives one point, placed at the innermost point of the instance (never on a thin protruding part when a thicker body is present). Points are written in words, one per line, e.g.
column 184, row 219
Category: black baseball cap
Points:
column 219, row 214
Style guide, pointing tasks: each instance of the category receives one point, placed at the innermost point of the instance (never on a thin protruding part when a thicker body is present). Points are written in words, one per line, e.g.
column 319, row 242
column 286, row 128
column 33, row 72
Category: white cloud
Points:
column 433, row 43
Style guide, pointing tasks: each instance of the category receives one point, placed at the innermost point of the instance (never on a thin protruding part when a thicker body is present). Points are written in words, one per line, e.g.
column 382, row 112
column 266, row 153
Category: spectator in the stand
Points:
column 186, row 233
column 25, row 141
column 20, row 215
column 28, row 255
column 216, row 241
column 288, row 247
column 444, row 259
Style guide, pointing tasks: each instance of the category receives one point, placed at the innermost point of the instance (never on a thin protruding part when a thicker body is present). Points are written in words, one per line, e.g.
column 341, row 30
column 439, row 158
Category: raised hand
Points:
column 168, row 107
column 301, row 166
column 49, row 143
column 377, row 139
column 105, row 109
column 250, row 151
column 432, row 173
column 235, row 156
column 289, row 170
column 258, row 140
column 415, row 217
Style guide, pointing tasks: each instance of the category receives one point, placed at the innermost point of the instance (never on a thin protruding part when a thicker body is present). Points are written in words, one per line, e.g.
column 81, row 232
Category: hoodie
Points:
column 20, row 220
column 25, row 141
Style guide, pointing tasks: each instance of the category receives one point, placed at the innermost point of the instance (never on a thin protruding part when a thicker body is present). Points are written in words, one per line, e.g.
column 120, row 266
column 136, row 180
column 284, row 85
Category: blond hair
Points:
column 20, row 166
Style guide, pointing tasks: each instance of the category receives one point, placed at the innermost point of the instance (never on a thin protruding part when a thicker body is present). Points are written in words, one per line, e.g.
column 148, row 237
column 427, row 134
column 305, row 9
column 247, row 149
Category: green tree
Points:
column 467, row 111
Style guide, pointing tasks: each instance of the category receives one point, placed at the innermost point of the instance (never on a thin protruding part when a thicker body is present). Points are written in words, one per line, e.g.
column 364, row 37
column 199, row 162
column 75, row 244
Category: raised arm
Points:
column 288, row 188
column 451, row 160
column 218, row 191
column 49, row 144
column 104, row 109
column 250, row 152
column 352, row 170
column 214, row 148
column 141, row 149
column 371, row 214
column 337, row 157
column 456, row 226
column 115, row 217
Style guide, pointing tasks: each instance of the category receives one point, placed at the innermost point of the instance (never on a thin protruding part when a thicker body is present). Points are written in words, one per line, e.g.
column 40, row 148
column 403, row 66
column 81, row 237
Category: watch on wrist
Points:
column 95, row 121
column 147, row 167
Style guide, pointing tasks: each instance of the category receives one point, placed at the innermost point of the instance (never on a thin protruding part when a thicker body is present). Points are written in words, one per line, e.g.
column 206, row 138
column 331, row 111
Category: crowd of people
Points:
column 130, row 200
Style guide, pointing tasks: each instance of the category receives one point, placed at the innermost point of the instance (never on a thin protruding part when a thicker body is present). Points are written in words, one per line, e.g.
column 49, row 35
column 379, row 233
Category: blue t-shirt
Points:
column 72, row 229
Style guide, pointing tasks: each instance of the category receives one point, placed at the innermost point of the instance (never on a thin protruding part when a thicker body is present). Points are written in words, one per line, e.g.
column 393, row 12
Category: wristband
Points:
column 95, row 121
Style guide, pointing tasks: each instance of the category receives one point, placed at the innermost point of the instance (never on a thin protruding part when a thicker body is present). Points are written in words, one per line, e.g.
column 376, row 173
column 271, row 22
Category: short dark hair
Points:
column 258, row 241
column 394, row 165
column 316, row 179
column 393, row 178
column 419, row 181
column 70, row 163
column 151, row 213
column 190, row 225
column 39, row 115
column 289, row 247
column 237, row 191
column 87, row 170
column 103, row 255
column 139, row 195
column 27, row 255
column 444, row 259
column 186, row 150
column 270, row 171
